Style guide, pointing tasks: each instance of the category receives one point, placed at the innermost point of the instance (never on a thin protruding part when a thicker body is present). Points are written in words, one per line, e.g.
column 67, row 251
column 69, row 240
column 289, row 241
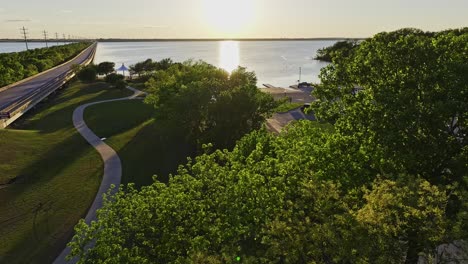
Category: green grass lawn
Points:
column 57, row 175
column 143, row 146
column 137, row 85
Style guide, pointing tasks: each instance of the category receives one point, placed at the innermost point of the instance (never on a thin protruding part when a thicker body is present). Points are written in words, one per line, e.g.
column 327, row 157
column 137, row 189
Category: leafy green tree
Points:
column 404, row 218
column 164, row 64
column 262, row 203
column 104, row 68
column 207, row 104
column 87, row 73
column 409, row 115
column 113, row 78
column 121, row 84
column 339, row 49
column 149, row 66
column 411, row 112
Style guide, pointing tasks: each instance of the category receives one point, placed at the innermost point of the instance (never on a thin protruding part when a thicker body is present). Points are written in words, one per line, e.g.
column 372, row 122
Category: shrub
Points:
column 87, row 73
column 114, row 78
column 121, row 84
column 105, row 68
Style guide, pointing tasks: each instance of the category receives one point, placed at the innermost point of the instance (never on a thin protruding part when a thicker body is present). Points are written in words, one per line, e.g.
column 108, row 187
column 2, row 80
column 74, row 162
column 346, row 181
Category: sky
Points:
column 226, row 18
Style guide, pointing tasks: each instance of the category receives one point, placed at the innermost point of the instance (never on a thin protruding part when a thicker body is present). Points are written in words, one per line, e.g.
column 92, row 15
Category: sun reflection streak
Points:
column 229, row 55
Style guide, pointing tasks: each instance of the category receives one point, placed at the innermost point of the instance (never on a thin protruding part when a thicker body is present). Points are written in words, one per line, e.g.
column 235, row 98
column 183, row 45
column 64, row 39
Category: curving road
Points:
column 22, row 88
column 112, row 165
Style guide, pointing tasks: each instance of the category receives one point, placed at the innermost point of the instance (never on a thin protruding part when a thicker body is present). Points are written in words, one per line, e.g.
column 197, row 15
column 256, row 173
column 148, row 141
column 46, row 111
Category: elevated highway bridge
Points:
column 17, row 98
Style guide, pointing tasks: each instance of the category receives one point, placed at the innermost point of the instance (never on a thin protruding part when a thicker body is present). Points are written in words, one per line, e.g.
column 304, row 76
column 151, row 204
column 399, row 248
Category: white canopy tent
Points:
column 122, row 68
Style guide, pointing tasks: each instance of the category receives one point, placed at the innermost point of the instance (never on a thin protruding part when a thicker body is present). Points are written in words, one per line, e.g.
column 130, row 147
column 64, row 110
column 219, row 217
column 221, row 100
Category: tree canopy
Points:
column 207, row 104
column 86, row 73
column 411, row 112
column 381, row 179
column 149, row 66
column 113, row 78
column 106, row 67
column 339, row 49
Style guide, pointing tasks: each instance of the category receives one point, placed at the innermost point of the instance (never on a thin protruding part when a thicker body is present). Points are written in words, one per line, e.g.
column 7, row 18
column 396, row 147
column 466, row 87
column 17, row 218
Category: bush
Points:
column 104, row 68
column 87, row 73
column 114, row 78
column 121, row 84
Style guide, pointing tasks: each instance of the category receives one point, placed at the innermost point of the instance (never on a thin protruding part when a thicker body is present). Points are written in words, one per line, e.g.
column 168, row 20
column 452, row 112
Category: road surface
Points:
column 14, row 93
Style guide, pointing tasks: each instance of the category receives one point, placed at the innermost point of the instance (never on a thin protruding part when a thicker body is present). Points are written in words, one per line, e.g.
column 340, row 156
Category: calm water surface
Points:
column 6, row 47
column 274, row 62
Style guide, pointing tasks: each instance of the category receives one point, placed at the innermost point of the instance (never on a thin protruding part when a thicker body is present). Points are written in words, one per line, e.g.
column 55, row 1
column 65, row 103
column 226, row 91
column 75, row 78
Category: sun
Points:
column 229, row 17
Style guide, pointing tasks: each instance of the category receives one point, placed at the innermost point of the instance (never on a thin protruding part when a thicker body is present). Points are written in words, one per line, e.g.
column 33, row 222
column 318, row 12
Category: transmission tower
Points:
column 25, row 35
column 56, row 37
column 64, row 39
column 45, row 38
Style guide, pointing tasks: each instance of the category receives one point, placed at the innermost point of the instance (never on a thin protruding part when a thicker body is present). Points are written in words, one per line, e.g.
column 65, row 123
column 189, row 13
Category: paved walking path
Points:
column 112, row 165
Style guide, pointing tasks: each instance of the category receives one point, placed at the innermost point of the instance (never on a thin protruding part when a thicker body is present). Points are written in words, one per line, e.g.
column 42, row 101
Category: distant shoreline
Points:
column 181, row 40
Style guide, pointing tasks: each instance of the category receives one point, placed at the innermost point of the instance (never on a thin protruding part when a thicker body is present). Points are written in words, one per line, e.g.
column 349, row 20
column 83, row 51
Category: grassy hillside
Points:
column 144, row 148
column 53, row 175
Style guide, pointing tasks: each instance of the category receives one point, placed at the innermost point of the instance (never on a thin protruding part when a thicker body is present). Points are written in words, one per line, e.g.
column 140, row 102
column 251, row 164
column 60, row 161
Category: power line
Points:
column 45, row 38
column 25, row 35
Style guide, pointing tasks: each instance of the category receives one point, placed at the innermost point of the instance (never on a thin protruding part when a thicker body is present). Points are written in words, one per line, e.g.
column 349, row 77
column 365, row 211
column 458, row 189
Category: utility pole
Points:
column 300, row 75
column 45, row 38
column 56, row 37
column 25, row 35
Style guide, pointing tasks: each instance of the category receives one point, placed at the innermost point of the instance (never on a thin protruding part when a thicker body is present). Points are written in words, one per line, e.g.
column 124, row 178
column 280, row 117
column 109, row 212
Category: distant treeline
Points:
column 16, row 66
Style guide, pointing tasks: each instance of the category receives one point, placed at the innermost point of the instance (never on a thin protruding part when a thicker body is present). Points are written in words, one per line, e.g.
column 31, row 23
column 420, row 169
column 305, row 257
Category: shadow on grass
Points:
column 56, row 111
column 65, row 174
column 46, row 245
column 113, row 118
column 145, row 147
column 153, row 151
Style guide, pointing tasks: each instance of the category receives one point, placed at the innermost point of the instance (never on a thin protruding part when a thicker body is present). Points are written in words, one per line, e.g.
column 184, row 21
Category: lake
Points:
column 20, row 46
column 275, row 62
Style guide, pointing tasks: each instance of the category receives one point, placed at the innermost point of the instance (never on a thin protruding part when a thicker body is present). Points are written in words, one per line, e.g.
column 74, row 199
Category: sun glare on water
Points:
column 229, row 55
column 229, row 17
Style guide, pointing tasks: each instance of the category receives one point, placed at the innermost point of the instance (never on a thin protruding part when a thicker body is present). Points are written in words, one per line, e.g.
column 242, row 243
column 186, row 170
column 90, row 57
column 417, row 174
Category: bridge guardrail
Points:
column 44, row 90
column 4, row 88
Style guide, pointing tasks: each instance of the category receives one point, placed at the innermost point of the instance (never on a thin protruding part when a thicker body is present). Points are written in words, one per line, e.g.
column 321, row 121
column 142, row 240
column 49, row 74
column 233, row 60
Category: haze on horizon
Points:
column 227, row 18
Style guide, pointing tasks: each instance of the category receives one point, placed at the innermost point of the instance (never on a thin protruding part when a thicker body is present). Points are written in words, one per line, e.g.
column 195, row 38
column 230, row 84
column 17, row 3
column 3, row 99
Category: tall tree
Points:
column 411, row 111
column 208, row 104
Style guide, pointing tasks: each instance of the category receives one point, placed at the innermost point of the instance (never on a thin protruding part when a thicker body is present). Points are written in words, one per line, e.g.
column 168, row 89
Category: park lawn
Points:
column 138, row 85
column 140, row 141
column 57, row 175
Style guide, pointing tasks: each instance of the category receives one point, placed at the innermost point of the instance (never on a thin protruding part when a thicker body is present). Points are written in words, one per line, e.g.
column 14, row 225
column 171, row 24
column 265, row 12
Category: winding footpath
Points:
column 112, row 165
